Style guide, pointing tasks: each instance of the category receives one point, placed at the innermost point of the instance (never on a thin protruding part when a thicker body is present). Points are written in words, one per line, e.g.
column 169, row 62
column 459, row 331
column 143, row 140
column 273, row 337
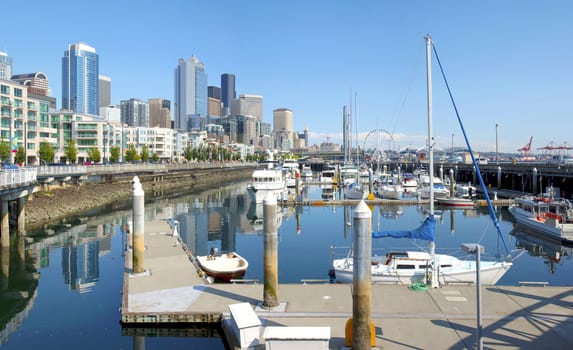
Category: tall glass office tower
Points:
column 80, row 79
column 190, row 92
column 228, row 93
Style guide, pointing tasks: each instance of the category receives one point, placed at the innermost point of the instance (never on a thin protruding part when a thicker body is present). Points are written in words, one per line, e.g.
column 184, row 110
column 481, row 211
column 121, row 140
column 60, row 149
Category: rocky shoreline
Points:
column 55, row 204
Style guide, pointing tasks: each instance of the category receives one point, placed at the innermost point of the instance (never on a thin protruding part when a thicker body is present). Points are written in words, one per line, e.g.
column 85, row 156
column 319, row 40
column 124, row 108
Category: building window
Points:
column 17, row 92
column 5, row 89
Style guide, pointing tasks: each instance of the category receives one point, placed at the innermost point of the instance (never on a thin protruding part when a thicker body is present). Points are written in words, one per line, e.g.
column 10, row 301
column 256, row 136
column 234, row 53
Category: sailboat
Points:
column 409, row 267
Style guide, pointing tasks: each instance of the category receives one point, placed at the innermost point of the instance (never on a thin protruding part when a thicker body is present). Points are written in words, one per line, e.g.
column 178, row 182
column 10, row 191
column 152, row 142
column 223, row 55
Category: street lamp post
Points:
column 497, row 125
column 11, row 136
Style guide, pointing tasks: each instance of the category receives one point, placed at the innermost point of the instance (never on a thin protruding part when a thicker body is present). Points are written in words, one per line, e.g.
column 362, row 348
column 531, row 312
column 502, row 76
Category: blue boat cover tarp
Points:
column 425, row 231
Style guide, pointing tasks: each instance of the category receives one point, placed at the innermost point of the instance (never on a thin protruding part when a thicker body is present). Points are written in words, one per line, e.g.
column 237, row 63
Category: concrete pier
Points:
column 518, row 317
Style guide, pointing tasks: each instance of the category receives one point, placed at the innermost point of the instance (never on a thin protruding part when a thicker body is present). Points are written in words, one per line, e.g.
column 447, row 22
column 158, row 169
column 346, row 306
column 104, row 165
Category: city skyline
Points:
column 507, row 63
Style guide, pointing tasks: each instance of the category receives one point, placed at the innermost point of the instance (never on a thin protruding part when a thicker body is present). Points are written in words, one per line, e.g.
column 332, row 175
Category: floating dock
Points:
column 171, row 293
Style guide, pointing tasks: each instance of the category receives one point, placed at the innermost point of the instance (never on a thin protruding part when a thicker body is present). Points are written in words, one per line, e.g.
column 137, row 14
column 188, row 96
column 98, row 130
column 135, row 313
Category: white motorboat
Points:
column 267, row 178
column 223, row 266
column 465, row 190
column 409, row 182
column 552, row 217
column 306, row 172
column 440, row 190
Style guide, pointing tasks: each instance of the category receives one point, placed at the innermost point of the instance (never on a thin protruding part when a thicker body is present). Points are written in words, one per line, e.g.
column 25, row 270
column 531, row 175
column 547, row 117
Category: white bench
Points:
column 245, row 324
column 286, row 338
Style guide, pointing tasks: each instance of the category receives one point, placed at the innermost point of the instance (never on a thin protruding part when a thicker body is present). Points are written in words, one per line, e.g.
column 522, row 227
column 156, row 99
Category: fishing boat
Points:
column 409, row 267
column 223, row 266
column 266, row 179
column 549, row 216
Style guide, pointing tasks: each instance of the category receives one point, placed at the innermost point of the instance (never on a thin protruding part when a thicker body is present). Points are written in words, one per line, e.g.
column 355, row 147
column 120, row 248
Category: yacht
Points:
column 267, row 178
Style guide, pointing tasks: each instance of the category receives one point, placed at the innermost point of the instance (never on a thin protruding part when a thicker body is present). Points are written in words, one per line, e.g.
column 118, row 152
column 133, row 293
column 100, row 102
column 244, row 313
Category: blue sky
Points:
column 507, row 62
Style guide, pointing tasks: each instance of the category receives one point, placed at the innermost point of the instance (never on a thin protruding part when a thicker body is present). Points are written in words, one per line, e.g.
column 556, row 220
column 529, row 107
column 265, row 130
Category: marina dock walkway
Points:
column 171, row 292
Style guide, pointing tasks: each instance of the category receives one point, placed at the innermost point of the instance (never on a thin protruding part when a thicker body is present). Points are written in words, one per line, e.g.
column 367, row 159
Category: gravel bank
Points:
column 58, row 203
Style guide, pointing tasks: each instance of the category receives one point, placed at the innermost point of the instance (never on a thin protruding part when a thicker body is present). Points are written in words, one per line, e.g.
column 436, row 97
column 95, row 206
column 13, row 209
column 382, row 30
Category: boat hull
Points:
column 464, row 272
column 223, row 267
column 258, row 195
column 547, row 226
column 455, row 202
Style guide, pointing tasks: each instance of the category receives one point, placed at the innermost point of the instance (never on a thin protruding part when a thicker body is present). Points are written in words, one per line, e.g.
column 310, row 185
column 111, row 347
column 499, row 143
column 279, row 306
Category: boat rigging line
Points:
column 475, row 164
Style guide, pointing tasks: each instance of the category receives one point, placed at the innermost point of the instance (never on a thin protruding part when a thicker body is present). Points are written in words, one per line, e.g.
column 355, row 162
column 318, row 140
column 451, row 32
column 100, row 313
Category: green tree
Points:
column 46, row 152
column 188, row 153
column 155, row 157
column 94, row 155
column 114, row 154
column 71, row 151
column 131, row 154
column 4, row 151
column 144, row 153
column 20, row 157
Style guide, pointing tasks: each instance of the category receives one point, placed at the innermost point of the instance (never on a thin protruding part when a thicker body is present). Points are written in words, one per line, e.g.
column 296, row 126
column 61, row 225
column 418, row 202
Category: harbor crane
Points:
column 525, row 149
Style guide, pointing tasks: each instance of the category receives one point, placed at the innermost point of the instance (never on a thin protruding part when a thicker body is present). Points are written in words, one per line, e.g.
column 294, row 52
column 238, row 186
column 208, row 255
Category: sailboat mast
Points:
column 430, row 136
column 434, row 277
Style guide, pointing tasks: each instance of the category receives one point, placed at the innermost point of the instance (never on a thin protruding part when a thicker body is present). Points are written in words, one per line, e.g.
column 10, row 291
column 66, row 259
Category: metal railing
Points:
column 17, row 177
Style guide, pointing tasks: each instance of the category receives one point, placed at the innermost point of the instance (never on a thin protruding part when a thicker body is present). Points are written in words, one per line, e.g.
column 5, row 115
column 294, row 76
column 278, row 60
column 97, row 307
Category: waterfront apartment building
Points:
column 159, row 113
column 104, row 91
column 228, row 92
column 80, row 79
column 24, row 119
column 5, row 66
column 248, row 104
column 36, row 83
column 134, row 112
column 190, row 91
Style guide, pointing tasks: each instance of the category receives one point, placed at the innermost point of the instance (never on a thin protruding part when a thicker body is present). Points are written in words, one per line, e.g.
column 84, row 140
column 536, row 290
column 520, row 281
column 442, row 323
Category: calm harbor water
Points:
column 61, row 287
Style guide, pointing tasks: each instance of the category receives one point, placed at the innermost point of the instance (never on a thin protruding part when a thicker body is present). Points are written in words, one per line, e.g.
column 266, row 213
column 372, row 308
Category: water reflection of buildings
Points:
column 213, row 216
column 18, row 288
column 550, row 250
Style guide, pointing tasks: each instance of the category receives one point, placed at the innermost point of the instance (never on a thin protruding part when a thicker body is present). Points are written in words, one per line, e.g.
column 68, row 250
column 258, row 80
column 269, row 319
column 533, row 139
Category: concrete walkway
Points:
column 171, row 291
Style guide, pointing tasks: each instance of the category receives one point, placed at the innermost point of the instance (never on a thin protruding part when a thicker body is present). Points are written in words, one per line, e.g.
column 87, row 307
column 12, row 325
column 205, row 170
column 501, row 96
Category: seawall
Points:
column 54, row 203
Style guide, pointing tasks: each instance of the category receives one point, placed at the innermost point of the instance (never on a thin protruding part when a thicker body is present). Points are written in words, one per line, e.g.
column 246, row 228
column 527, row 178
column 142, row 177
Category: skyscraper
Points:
column 134, row 112
column 248, row 104
column 159, row 113
column 190, row 91
column 5, row 66
column 227, row 91
column 104, row 91
column 80, row 79
column 282, row 119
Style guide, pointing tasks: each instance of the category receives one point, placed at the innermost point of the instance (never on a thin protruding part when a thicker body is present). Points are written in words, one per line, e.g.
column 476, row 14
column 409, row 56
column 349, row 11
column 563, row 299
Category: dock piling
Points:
column 138, row 226
column 271, row 274
column 361, row 281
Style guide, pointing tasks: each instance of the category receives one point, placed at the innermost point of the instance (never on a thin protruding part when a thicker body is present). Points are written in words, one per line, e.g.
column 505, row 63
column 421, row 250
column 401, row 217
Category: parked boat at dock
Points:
column 455, row 202
column 549, row 216
column 266, row 179
column 223, row 266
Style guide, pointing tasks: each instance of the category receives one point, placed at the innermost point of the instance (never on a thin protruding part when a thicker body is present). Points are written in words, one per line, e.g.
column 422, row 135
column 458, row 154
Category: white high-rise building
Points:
column 5, row 66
